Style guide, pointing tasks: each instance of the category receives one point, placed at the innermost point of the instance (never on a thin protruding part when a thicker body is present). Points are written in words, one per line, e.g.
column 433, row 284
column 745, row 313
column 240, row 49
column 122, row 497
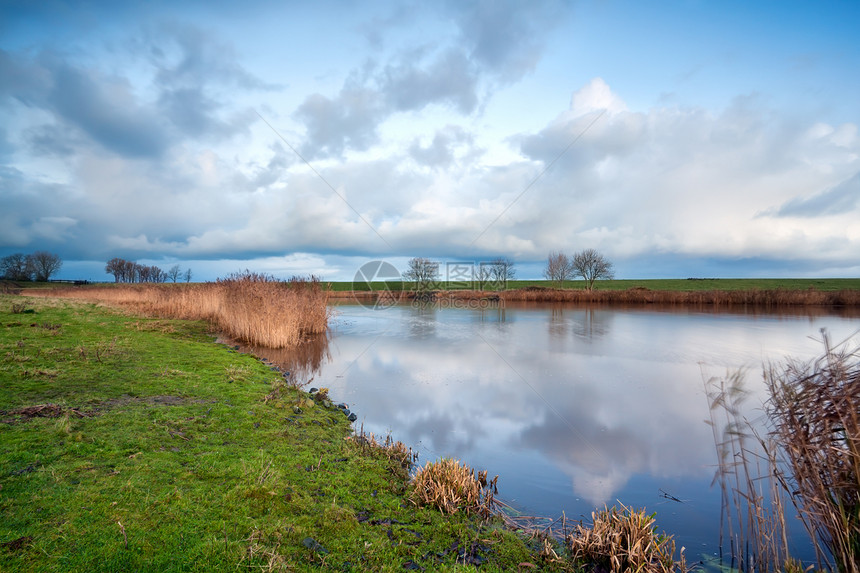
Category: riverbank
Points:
column 136, row 444
column 764, row 298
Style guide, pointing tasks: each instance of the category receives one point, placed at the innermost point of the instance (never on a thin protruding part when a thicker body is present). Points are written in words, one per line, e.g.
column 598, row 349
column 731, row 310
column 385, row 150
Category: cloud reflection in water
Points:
column 574, row 406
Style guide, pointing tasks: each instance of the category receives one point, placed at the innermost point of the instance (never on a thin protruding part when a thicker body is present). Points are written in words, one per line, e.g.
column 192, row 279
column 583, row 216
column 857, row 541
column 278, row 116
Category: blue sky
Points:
column 687, row 138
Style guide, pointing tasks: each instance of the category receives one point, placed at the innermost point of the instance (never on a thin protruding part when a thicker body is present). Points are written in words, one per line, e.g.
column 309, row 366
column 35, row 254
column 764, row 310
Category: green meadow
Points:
column 139, row 444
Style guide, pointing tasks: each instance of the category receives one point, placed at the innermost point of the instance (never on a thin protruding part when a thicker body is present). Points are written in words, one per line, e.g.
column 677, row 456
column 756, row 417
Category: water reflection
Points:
column 573, row 406
column 584, row 322
column 303, row 362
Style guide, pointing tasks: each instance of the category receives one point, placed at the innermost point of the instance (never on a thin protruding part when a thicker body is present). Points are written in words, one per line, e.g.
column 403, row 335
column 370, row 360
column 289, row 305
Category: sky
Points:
column 687, row 138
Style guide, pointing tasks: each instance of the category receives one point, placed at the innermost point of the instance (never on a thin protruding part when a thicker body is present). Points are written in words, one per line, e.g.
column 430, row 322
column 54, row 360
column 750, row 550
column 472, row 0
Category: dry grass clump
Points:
column 254, row 308
column 810, row 458
column 450, row 486
column 624, row 540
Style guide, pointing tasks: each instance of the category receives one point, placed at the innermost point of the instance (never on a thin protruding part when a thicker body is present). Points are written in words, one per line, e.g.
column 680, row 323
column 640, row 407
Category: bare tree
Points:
column 188, row 276
column 174, row 272
column 17, row 267
column 116, row 267
column 45, row 264
column 423, row 272
column 483, row 274
column 502, row 270
column 591, row 265
column 559, row 268
column 129, row 271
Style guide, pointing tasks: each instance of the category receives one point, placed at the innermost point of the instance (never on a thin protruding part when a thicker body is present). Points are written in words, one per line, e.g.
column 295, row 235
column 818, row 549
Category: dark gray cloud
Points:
column 53, row 140
column 6, row 146
column 496, row 43
column 106, row 109
column 191, row 73
column 837, row 200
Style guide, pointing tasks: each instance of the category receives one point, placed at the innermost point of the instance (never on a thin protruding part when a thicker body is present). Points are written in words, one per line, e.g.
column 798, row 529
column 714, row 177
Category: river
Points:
column 575, row 407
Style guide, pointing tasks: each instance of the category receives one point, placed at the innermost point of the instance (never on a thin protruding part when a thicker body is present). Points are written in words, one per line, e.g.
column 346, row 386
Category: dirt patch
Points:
column 166, row 400
column 17, row 544
column 161, row 400
column 42, row 411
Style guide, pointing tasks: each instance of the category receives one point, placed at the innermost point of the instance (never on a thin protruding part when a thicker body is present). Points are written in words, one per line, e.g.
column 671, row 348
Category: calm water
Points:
column 574, row 407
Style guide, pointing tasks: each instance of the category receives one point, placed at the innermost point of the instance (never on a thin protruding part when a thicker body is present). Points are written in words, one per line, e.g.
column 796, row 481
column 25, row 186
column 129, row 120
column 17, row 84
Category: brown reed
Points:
column 451, row 486
column 622, row 540
column 810, row 458
column 767, row 298
column 814, row 410
column 249, row 307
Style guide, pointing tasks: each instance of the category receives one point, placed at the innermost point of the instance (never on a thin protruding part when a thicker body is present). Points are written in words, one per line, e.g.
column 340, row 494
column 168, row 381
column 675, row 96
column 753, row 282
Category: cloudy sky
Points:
column 680, row 138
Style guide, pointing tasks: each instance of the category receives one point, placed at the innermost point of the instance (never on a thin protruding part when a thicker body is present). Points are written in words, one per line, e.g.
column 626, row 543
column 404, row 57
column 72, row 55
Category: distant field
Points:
column 652, row 284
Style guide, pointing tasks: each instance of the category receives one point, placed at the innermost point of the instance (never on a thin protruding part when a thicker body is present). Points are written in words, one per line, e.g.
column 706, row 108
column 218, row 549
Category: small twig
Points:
column 124, row 536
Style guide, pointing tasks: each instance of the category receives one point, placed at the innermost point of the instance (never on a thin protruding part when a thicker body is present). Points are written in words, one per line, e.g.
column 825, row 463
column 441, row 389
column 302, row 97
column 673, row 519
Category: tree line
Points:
column 38, row 266
column 124, row 271
column 588, row 264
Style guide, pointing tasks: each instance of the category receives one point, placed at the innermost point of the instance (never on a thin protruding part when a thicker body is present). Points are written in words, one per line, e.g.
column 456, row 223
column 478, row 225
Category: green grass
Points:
column 168, row 456
column 653, row 284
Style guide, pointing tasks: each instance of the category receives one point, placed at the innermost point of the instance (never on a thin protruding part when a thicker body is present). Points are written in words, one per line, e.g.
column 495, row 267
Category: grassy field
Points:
column 683, row 285
column 136, row 444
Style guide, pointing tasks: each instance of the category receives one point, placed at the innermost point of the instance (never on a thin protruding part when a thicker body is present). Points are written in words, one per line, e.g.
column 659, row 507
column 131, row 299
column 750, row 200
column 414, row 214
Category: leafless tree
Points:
column 116, row 267
column 423, row 272
column 129, row 271
column 16, row 267
column 45, row 264
column 591, row 265
column 559, row 268
column 502, row 270
column 188, row 275
column 174, row 272
column 483, row 274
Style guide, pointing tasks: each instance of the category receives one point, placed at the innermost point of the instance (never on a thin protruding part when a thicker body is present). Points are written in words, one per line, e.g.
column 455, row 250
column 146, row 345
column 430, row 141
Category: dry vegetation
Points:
column 810, row 458
column 624, row 540
column 254, row 308
column 450, row 486
column 726, row 298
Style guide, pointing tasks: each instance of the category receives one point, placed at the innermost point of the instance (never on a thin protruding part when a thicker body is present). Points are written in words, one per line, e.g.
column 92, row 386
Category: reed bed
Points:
column 253, row 308
column 753, row 297
column 622, row 540
column 764, row 298
column 809, row 458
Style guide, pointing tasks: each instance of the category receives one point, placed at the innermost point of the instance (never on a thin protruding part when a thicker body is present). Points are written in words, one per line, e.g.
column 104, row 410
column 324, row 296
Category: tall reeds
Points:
column 809, row 457
column 253, row 308
column 814, row 410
